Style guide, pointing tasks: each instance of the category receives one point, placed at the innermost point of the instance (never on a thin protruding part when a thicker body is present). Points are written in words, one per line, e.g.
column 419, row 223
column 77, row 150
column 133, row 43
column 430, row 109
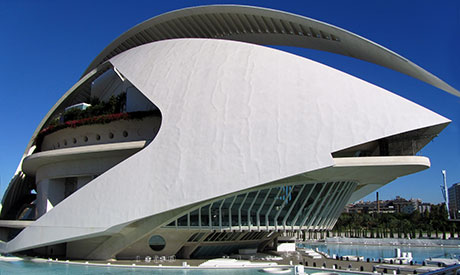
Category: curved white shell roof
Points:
column 228, row 124
column 213, row 93
column 267, row 27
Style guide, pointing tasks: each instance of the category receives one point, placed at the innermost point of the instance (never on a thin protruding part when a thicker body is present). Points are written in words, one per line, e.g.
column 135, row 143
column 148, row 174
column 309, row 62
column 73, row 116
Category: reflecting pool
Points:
column 50, row 268
column 385, row 251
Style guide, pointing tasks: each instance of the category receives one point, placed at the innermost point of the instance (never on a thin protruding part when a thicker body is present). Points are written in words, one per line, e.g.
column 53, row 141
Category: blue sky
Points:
column 46, row 45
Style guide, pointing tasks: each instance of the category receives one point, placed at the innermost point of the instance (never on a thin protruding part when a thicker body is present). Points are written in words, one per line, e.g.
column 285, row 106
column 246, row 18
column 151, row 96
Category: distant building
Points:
column 398, row 205
column 424, row 207
column 454, row 201
column 406, row 206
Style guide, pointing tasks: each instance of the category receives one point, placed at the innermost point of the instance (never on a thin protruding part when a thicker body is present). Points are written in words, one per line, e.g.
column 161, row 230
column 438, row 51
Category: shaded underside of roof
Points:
column 265, row 27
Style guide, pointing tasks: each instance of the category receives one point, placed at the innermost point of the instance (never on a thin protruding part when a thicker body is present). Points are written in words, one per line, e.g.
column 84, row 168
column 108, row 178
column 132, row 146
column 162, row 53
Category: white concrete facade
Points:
column 236, row 118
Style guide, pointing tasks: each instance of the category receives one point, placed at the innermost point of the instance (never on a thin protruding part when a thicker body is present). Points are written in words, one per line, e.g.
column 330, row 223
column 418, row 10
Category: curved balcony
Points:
column 115, row 140
column 94, row 134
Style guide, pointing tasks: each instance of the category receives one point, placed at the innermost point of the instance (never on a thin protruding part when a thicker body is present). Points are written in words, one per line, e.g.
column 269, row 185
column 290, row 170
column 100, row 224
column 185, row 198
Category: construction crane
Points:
column 444, row 192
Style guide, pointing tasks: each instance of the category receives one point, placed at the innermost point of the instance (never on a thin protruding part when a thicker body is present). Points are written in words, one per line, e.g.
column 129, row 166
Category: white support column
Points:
column 303, row 206
column 239, row 211
column 292, row 206
column 220, row 214
column 337, row 189
column 199, row 218
column 350, row 190
column 55, row 193
column 42, row 197
column 343, row 189
column 271, row 206
column 210, row 217
column 261, row 207
column 230, row 212
column 312, row 206
column 320, row 209
column 275, row 220
column 249, row 209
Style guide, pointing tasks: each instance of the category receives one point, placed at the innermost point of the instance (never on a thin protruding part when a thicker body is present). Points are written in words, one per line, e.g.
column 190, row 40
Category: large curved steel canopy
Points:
column 266, row 27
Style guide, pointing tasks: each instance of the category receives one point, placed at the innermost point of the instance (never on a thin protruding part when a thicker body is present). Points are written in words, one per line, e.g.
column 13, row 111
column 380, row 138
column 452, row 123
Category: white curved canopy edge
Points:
column 265, row 27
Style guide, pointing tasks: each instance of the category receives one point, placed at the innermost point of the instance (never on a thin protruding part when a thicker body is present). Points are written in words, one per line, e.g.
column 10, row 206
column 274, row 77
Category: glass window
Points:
column 157, row 243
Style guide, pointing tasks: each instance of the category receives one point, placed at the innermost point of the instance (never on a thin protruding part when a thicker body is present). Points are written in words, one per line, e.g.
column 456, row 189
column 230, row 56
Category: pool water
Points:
column 385, row 251
column 38, row 268
column 27, row 267
column 367, row 251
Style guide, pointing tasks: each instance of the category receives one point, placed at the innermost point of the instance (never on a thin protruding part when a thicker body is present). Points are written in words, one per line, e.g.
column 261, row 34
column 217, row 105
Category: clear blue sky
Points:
column 46, row 45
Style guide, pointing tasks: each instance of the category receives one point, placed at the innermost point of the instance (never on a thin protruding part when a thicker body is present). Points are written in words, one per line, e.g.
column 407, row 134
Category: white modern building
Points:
column 199, row 140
